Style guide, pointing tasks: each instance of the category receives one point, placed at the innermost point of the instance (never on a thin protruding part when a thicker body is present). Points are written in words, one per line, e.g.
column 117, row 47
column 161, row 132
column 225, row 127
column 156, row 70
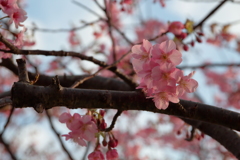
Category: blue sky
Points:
column 56, row 14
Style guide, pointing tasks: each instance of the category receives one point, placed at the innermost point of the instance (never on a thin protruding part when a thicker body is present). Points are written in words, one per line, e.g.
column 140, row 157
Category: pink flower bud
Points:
column 113, row 143
column 104, row 142
column 96, row 155
column 199, row 40
column 176, row 27
column 192, row 43
column 102, row 112
column 185, row 47
column 112, row 154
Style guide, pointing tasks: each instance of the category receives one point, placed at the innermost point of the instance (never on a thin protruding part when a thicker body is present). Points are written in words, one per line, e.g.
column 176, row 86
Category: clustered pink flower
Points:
column 111, row 154
column 176, row 27
column 96, row 155
column 73, row 39
column 160, row 79
column 16, row 14
column 83, row 128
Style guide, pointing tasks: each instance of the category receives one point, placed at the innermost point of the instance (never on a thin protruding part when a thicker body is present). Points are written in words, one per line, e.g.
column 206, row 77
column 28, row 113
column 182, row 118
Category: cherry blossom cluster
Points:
column 14, row 12
column 83, row 128
column 16, row 15
column 87, row 128
column 160, row 79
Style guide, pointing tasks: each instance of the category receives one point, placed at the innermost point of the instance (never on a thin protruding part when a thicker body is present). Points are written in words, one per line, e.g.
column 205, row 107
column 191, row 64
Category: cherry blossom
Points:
column 112, row 154
column 72, row 122
column 165, row 75
column 8, row 6
column 142, row 52
column 156, row 66
column 187, row 84
column 96, row 155
column 150, row 29
column 19, row 42
column 176, row 27
column 82, row 127
column 75, row 137
column 88, row 128
column 161, row 99
column 18, row 16
column 166, row 53
column 73, row 39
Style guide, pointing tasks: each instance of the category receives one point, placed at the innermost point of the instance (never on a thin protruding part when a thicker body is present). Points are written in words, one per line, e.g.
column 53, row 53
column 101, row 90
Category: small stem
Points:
column 119, row 112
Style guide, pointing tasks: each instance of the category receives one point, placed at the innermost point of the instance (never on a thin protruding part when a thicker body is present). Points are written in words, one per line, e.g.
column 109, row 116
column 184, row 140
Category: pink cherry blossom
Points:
column 187, row 84
column 142, row 52
column 4, row 54
column 82, row 127
column 88, row 128
column 112, row 154
column 176, row 27
column 146, row 71
column 156, row 66
column 75, row 137
column 8, row 6
column 148, row 90
column 19, row 42
column 150, row 29
column 73, row 39
column 165, row 75
column 161, row 99
column 129, row 2
column 72, row 122
column 96, row 155
column 17, row 16
column 166, row 53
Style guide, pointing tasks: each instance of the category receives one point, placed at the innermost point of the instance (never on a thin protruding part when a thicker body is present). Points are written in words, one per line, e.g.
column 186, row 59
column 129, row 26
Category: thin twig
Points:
column 65, row 29
column 97, row 3
column 209, row 15
column 7, row 148
column 109, row 23
column 86, row 151
column 88, row 9
column 119, row 112
column 8, row 121
column 58, row 136
column 192, row 134
column 210, row 65
column 122, row 34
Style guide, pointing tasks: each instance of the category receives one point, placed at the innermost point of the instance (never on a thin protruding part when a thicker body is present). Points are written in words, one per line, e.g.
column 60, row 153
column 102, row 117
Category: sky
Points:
column 58, row 14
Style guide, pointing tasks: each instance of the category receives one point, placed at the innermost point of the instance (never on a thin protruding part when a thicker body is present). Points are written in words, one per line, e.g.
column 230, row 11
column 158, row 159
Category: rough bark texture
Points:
column 27, row 95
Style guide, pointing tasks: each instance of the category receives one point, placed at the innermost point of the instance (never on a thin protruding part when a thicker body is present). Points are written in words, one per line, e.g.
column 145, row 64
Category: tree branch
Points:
column 210, row 14
column 26, row 95
column 7, row 148
column 225, row 136
column 58, row 136
column 74, row 54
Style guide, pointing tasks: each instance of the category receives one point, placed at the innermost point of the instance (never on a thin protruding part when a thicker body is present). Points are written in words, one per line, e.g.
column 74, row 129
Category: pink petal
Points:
column 64, row 117
column 191, row 85
column 136, row 49
column 147, row 45
column 175, row 57
column 167, row 46
column 86, row 118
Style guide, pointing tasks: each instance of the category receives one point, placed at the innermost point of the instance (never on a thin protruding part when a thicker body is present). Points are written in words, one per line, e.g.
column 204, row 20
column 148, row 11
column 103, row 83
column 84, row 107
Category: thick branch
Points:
column 225, row 136
column 26, row 95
